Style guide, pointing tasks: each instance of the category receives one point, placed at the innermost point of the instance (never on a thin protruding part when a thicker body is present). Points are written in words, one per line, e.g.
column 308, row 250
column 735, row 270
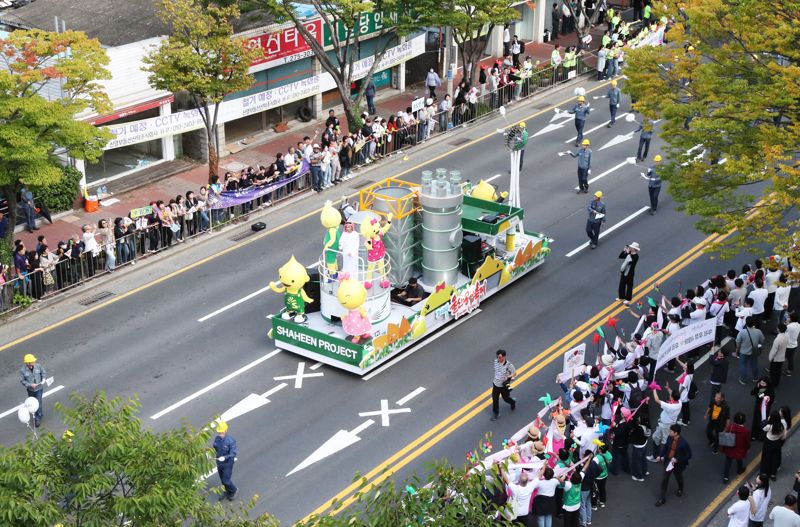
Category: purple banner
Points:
column 238, row 197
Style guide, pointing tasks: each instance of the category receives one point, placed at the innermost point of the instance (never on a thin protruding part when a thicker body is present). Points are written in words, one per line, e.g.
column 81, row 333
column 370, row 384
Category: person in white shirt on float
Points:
column 786, row 515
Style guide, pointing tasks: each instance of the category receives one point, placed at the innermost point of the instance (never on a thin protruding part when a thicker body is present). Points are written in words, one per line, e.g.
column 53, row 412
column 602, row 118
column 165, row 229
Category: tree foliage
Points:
column 472, row 23
column 341, row 19
column 34, row 64
column 203, row 59
column 111, row 471
column 730, row 100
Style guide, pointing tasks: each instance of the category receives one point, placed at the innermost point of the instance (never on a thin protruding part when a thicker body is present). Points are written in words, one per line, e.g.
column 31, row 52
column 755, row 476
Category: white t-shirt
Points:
column 738, row 514
column 758, row 296
column 771, row 280
column 521, row 498
column 669, row 412
column 783, row 517
column 697, row 316
column 762, row 502
column 741, row 316
column 718, row 310
column 792, row 331
column 547, row 487
column 684, row 387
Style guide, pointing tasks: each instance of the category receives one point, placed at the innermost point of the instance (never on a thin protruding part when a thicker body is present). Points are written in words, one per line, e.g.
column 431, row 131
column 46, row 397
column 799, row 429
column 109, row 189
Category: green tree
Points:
column 203, row 59
column 576, row 10
column 731, row 94
column 341, row 19
column 472, row 23
column 108, row 470
column 34, row 129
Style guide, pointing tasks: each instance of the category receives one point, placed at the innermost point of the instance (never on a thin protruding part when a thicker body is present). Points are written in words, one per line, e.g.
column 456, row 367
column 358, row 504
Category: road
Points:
column 150, row 342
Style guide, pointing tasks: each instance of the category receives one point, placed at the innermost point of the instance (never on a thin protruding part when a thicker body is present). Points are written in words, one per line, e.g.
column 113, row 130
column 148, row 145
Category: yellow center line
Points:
column 253, row 239
column 482, row 401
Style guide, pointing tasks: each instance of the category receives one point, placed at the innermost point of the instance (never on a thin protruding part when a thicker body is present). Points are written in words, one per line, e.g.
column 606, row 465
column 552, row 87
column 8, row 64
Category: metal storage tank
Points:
column 442, row 199
column 399, row 241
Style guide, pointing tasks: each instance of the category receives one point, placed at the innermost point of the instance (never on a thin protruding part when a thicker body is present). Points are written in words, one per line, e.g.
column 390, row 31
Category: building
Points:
column 153, row 129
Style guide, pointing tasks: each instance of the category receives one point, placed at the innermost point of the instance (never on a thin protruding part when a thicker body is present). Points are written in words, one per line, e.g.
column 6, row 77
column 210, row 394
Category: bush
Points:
column 61, row 195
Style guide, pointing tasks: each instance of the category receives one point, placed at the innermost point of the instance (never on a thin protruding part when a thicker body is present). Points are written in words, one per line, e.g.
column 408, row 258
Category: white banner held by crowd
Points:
column 686, row 339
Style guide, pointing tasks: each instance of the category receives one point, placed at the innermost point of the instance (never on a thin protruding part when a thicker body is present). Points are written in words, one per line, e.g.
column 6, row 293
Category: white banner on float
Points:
column 686, row 339
column 189, row 120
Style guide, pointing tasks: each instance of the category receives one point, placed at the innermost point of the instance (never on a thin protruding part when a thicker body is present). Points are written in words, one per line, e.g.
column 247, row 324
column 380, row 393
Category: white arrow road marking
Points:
column 233, row 304
column 45, row 394
column 617, row 140
column 599, row 126
column 250, row 403
column 558, row 114
column 340, row 440
column 299, row 376
column 410, row 396
column 611, row 229
column 214, row 384
column 384, row 412
column 607, row 172
column 315, row 366
column 556, row 126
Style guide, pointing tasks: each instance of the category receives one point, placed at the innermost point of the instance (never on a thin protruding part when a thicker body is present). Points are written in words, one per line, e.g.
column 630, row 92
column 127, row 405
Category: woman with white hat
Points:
column 630, row 255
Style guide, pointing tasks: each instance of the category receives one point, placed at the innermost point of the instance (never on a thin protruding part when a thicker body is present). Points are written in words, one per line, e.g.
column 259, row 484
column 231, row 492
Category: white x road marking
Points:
column 298, row 378
column 384, row 412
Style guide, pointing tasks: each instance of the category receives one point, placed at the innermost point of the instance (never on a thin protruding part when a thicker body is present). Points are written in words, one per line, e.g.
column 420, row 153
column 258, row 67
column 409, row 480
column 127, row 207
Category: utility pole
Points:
column 451, row 59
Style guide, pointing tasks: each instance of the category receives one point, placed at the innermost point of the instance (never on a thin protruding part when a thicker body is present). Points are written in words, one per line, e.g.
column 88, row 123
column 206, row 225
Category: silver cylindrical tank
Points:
column 399, row 240
column 441, row 199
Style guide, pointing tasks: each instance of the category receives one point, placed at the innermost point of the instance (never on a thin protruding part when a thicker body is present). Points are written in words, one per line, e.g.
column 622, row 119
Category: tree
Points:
column 731, row 118
column 472, row 23
column 203, row 59
column 109, row 471
column 35, row 128
column 341, row 20
column 576, row 10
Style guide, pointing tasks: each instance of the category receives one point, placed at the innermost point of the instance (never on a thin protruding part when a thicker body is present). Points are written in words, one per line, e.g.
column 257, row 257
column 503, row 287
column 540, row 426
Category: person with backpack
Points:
column 675, row 455
column 717, row 414
column 687, row 390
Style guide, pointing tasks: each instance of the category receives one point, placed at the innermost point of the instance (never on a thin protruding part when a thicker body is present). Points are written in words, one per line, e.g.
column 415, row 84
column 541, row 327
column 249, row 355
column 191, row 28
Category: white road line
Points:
column 299, row 376
column 45, row 394
column 234, row 304
column 611, row 229
column 273, row 391
column 385, row 412
column 410, row 396
column 607, row 172
column 599, row 126
column 213, row 385
column 315, row 366
column 493, row 178
column 419, row 346
column 363, row 426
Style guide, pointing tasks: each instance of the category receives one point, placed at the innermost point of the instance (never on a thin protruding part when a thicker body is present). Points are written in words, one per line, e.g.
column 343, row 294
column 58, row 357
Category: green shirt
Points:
column 602, row 461
column 572, row 496
column 294, row 302
column 647, row 12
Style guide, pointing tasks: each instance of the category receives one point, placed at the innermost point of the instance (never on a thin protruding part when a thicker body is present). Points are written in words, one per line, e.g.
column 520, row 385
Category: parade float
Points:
column 461, row 242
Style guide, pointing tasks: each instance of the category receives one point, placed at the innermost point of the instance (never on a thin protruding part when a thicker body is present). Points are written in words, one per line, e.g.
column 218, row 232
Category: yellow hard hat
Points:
column 67, row 435
column 690, row 48
column 522, row 124
column 614, row 82
column 222, row 427
column 657, row 158
column 598, row 194
column 585, row 142
column 29, row 358
column 581, row 98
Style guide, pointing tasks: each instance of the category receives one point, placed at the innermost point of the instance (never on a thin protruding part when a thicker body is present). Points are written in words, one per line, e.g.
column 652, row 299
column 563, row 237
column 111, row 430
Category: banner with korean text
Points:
column 686, row 339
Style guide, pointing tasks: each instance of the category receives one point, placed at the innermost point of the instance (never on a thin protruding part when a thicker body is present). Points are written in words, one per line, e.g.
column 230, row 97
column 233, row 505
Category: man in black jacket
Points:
column 717, row 415
column 719, row 371
column 675, row 454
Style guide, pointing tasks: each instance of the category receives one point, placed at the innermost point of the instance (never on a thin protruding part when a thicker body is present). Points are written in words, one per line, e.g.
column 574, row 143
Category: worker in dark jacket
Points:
column 675, row 454
column 225, row 452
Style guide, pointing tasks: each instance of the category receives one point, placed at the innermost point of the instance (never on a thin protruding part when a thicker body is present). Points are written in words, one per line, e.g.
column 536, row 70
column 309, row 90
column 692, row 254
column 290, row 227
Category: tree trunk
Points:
column 353, row 114
column 7, row 243
column 213, row 155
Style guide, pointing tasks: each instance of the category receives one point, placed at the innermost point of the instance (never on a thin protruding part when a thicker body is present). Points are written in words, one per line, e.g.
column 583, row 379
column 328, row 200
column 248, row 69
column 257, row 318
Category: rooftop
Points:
column 112, row 22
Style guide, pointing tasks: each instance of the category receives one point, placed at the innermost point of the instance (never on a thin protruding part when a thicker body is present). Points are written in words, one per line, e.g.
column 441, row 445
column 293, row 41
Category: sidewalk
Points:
column 789, row 465
column 262, row 151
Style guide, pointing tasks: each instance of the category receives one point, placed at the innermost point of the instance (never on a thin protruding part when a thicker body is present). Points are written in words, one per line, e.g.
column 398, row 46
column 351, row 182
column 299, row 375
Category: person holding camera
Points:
column 504, row 372
column 630, row 256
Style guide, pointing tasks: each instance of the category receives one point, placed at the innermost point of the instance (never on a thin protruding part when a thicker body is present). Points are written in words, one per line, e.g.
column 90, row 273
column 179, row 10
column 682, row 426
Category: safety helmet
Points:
column 67, row 435
column 29, row 358
column 522, row 124
column 598, row 194
column 222, row 427
column 581, row 98
column 657, row 158
column 614, row 82
column 585, row 142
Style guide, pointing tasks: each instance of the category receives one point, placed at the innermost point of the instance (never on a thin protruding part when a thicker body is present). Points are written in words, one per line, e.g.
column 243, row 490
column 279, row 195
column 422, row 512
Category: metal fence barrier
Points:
column 55, row 272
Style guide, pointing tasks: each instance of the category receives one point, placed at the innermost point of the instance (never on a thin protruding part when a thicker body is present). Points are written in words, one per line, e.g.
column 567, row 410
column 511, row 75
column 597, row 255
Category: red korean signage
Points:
column 467, row 300
column 286, row 45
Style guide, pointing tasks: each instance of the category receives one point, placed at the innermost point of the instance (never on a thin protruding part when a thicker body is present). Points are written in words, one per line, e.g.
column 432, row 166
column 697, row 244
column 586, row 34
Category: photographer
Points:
column 630, row 256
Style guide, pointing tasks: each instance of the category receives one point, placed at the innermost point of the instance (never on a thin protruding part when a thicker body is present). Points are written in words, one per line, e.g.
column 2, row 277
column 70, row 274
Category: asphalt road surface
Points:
column 431, row 403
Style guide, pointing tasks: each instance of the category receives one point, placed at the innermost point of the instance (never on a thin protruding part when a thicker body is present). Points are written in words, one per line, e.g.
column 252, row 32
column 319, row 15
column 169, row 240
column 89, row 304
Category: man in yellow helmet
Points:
column 580, row 110
column 613, row 97
column 225, row 452
column 654, row 183
column 32, row 376
column 584, row 156
column 597, row 217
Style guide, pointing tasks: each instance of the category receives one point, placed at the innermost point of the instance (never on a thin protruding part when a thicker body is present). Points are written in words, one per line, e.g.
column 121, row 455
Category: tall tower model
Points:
column 441, row 198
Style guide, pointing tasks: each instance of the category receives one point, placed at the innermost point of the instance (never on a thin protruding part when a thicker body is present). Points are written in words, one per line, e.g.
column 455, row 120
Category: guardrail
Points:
column 65, row 269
